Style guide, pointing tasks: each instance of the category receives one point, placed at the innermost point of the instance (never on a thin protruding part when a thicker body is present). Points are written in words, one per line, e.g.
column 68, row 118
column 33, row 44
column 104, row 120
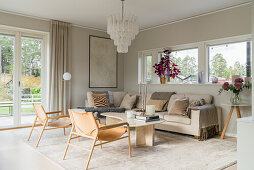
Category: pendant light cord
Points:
column 122, row 8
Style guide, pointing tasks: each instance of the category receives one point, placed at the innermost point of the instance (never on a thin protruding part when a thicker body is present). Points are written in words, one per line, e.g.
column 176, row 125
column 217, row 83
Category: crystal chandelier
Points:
column 122, row 29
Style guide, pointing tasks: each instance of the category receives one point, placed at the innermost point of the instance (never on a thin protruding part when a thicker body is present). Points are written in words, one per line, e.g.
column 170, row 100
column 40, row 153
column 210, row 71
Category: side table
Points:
column 237, row 107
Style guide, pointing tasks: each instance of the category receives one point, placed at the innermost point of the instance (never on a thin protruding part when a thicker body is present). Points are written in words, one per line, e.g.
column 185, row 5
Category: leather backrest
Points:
column 40, row 112
column 85, row 123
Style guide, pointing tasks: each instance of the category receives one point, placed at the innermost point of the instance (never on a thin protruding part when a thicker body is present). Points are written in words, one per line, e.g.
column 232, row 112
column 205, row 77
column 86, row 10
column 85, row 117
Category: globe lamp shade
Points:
column 67, row 76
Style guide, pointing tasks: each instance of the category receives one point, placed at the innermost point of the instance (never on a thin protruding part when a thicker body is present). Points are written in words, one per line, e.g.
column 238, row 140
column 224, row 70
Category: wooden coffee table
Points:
column 144, row 131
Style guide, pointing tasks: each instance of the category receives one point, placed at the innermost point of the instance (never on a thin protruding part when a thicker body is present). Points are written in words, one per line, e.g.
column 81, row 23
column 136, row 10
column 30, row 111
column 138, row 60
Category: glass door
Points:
column 30, row 86
column 7, row 43
column 22, row 65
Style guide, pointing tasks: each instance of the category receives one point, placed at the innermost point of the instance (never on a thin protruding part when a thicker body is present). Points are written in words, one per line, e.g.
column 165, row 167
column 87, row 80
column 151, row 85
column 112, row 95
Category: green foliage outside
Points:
column 149, row 68
column 36, row 90
column 30, row 67
column 219, row 67
column 188, row 66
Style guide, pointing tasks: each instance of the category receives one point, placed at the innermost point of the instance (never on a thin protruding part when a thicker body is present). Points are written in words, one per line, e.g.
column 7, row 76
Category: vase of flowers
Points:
column 163, row 80
column 235, row 99
column 166, row 67
column 235, row 88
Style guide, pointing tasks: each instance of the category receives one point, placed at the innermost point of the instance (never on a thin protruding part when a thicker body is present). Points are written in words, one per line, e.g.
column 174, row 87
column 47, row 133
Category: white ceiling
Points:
column 93, row 13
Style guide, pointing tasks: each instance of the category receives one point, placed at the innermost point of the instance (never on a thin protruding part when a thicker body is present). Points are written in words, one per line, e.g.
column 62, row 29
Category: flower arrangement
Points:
column 235, row 88
column 166, row 67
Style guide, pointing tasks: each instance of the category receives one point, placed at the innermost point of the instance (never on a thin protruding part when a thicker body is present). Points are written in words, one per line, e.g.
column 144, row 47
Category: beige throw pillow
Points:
column 100, row 100
column 179, row 106
column 159, row 104
column 128, row 101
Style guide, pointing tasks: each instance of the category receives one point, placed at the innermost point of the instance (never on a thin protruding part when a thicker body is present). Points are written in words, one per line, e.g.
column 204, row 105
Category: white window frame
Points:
column 223, row 41
column 203, row 60
column 18, row 33
column 154, row 53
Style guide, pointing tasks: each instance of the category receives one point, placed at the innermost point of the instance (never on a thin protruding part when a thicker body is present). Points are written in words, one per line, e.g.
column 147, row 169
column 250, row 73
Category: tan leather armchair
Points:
column 86, row 125
column 42, row 118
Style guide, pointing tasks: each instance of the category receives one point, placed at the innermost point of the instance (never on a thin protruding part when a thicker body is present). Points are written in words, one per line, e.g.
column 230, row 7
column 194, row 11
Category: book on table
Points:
column 148, row 118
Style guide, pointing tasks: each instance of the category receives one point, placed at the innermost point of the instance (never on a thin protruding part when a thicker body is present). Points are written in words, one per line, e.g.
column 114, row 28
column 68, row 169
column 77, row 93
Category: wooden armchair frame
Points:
column 42, row 119
column 98, row 129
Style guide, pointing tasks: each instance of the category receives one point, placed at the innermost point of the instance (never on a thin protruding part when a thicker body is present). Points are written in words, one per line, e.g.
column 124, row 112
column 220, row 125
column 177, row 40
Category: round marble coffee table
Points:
column 144, row 131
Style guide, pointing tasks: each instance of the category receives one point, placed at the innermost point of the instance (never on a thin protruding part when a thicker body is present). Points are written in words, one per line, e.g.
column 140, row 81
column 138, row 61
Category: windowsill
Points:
column 187, row 84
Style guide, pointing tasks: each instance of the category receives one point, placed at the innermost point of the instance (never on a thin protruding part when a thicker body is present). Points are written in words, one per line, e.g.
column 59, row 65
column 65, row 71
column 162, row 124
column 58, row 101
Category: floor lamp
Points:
column 66, row 77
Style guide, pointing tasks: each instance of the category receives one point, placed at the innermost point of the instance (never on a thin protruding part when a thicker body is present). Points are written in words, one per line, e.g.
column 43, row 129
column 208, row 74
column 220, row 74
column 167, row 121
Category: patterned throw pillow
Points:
column 100, row 100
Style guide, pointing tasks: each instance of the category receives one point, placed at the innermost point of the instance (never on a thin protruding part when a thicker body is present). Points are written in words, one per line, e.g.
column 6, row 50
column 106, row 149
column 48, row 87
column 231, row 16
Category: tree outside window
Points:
column 229, row 59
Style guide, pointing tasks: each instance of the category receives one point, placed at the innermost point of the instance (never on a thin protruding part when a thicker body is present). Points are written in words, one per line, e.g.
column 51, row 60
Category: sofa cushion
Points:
column 118, row 98
column 173, row 98
column 161, row 114
column 179, row 106
column 139, row 99
column 193, row 97
column 139, row 102
column 177, row 119
column 100, row 100
column 162, row 96
column 90, row 99
column 128, row 101
column 159, row 104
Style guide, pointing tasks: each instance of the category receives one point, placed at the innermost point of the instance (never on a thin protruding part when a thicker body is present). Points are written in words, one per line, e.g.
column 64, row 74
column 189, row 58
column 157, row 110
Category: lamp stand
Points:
column 62, row 84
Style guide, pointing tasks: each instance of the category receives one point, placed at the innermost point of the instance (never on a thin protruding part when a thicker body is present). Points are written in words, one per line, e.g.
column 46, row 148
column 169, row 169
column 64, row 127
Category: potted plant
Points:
column 235, row 88
column 166, row 67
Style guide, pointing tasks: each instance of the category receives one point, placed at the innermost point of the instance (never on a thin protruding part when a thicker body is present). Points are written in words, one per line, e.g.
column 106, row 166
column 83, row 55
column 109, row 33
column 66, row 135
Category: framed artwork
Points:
column 102, row 63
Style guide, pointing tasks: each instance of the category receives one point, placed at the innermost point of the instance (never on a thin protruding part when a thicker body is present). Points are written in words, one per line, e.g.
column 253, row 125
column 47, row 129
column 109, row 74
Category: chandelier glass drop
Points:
column 122, row 29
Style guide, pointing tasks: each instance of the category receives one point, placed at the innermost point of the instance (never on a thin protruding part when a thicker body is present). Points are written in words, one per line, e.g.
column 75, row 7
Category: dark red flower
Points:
column 166, row 66
column 238, row 80
column 238, row 86
column 225, row 86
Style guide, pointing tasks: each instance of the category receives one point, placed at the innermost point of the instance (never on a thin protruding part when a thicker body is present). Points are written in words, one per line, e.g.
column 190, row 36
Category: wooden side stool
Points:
column 237, row 107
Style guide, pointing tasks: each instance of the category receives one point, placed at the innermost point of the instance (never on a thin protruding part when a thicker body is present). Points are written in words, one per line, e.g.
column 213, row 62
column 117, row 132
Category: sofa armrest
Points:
column 219, row 112
column 196, row 113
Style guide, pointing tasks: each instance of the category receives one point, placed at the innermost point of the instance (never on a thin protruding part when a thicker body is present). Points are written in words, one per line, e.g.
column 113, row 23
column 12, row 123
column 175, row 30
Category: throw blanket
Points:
column 97, row 111
column 208, row 121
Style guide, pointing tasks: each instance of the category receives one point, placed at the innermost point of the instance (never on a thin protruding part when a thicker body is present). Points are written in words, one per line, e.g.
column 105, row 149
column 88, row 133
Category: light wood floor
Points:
column 17, row 155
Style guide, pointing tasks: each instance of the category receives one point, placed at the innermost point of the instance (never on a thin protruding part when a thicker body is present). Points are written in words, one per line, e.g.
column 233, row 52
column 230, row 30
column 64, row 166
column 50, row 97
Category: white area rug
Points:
column 171, row 152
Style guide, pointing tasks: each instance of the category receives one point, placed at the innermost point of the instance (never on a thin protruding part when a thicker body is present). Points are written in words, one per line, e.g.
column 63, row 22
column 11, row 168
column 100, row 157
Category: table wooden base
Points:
column 228, row 119
column 144, row 135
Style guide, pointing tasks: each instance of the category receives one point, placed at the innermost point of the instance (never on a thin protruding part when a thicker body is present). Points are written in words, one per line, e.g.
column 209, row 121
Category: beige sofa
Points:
column 174, row 123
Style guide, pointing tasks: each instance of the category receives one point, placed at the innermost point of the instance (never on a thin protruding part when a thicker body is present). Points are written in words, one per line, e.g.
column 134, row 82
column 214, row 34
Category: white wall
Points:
column 223, row 24
column 80, row 53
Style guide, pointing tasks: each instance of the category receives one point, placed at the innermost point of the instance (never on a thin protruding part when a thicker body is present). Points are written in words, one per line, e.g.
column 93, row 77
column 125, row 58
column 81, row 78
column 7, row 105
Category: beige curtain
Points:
column 59, row 63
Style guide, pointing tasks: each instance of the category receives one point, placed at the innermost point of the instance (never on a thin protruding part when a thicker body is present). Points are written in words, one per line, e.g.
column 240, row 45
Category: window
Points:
column 219, row 58
column 187, row 61
column 148, row 68
column 229, row 59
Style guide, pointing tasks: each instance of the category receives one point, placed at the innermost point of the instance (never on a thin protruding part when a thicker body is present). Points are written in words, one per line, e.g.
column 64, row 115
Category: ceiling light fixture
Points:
column 122, row 29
